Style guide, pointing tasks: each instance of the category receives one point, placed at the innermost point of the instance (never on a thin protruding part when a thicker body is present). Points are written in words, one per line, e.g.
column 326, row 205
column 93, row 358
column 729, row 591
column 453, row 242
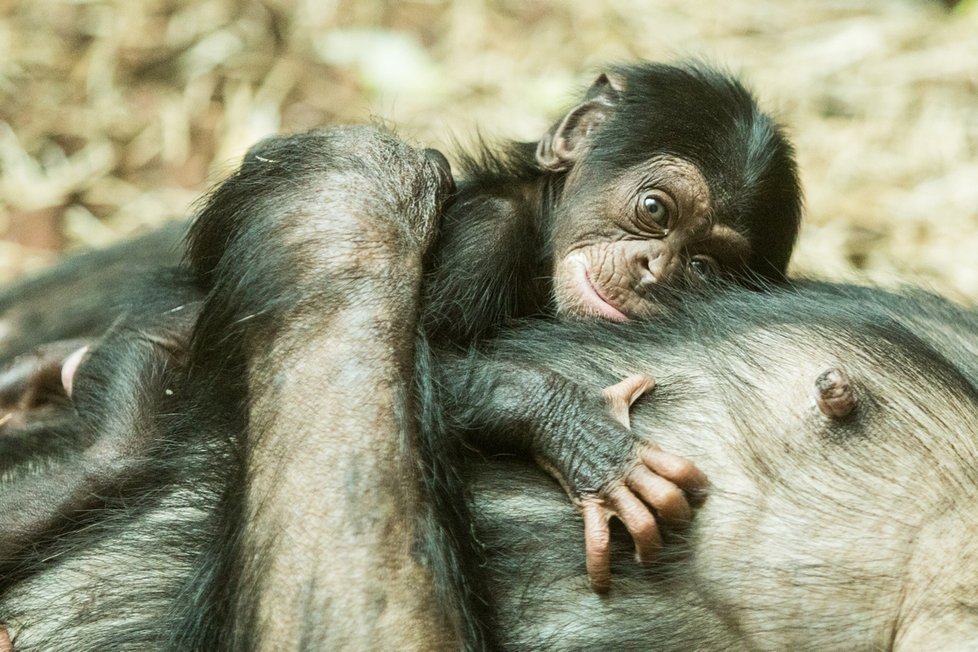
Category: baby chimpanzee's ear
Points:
column 561, row 146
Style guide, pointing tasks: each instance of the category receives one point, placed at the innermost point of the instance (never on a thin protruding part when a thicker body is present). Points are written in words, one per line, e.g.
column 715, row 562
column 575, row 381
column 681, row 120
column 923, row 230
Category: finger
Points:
column 69, row 368
column 639, row 522
column 668, row 500
column 34, row 380
column 597, row 546
column 678, row 470
column 622, row 395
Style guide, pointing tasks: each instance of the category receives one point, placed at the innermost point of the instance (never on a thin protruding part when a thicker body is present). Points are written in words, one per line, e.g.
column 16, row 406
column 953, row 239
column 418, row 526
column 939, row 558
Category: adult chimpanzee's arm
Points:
column 120, row 387
column 582, row 439
column 312, row 254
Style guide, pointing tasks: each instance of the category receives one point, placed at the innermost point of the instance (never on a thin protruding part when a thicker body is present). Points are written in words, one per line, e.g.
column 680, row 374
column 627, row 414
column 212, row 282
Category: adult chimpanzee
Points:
column 662, row 176
column 817, row 413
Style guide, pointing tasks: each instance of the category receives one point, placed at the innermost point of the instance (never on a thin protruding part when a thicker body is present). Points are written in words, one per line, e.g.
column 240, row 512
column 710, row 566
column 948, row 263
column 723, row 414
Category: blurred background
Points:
column 116, row 116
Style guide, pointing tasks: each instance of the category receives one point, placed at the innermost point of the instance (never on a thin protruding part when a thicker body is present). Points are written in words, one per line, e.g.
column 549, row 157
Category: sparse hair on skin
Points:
column 814, row 532
column 807, row 539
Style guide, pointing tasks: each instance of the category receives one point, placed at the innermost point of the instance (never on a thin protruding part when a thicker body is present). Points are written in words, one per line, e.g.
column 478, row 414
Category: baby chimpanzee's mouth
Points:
column 593, row 298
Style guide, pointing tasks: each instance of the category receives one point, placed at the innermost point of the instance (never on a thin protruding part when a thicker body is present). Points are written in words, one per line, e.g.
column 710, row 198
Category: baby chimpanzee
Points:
column 663, row 178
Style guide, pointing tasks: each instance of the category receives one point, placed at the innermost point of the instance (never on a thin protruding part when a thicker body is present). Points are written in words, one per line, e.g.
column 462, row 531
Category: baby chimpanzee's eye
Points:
column 703, row 266
column 655, row 209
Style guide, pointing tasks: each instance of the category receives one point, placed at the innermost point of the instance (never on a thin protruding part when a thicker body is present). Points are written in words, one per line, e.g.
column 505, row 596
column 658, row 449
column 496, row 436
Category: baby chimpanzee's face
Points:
column 621, row 240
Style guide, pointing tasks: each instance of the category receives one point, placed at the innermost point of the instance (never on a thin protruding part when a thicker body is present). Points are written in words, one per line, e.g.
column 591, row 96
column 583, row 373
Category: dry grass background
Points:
column 115, row 116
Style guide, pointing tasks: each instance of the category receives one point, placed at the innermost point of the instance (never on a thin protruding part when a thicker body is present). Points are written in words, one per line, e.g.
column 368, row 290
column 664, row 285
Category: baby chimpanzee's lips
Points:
column 593, row 298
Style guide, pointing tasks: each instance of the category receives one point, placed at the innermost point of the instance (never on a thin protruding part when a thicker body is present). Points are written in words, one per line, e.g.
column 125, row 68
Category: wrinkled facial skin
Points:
column 649, row 227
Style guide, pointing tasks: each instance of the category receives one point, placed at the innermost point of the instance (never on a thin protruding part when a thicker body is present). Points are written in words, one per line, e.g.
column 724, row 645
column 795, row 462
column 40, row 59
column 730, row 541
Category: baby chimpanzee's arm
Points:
column 581, row 438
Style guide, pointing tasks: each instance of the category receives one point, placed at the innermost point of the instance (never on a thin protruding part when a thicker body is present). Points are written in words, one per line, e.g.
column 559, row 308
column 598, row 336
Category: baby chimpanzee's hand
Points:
column 643, row 486
column 582, row 439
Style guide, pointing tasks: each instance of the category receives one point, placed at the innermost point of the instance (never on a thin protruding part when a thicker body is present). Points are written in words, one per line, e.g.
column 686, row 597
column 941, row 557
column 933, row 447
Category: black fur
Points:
column 84, row 295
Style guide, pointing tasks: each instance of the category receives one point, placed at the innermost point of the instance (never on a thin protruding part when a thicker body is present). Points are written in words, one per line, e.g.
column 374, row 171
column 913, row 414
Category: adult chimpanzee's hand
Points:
column 345, row 214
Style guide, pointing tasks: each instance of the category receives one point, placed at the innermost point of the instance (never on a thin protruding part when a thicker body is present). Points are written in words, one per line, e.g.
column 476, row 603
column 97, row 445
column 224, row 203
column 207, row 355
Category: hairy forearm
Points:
column 346, row 451
column 507, row 407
